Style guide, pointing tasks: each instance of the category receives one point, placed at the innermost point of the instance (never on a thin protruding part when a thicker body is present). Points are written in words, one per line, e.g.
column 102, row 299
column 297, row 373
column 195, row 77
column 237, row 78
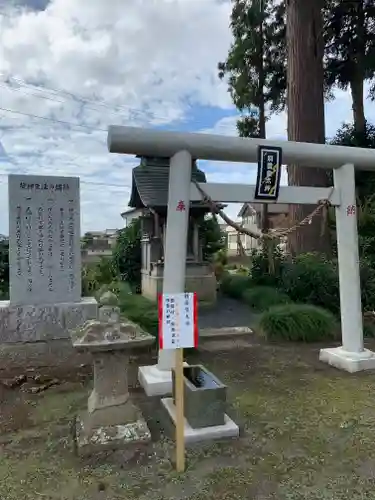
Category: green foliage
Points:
column 365, row 187
column 116, row 287
column 221, row 256
column 127, row 254
column 212, row 238
column 87, row 240
column 260, row 264
column 4, row 268
column 234, row 285
column 257, row 59
column 242, row 271
column 367, row 275
column 94, row 275
column 349, row 42
column 261, row 298
column 256, row 62
column 369, row 325
column 312, row 279
column 308, row 278
column 140, row 310
column 298, row 322
column 347, row 136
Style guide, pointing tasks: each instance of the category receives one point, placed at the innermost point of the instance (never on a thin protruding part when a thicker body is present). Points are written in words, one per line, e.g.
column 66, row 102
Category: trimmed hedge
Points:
column 261, row 298
column 234, row 285
column 140, row 310
column 298, row 322
column 311, row 279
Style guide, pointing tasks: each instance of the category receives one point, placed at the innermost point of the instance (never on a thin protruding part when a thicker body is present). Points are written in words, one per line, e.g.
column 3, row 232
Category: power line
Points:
column 54, row 120
column 89, row 103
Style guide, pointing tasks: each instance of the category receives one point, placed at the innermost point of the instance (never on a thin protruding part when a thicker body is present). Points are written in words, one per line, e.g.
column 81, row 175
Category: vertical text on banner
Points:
column 178, row 325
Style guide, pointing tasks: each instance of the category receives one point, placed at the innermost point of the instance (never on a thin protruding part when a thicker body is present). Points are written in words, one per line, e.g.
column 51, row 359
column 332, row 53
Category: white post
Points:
column 348, row 256
column 176, row 237
column 157, row 380
column 351, row 356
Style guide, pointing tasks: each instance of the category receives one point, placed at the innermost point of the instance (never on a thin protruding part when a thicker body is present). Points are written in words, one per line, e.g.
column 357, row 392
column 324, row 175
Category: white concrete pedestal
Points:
column 155, row 382
column 229, row 430
column 349, row 361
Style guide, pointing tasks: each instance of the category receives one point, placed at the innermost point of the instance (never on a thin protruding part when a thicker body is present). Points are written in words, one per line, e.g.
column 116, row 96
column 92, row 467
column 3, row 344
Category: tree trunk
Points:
column 305, row 94
column 357, row 76
column 262, row 116
column 356, row 89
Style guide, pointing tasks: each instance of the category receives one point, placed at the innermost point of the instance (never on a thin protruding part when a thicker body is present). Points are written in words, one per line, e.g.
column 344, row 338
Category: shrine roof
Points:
column 150, row 183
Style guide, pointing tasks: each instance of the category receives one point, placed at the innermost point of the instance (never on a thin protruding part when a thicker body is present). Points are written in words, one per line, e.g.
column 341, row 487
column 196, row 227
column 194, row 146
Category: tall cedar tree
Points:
column 305, row 98
column 349, row 33
column 349, row 53
column 256, row 65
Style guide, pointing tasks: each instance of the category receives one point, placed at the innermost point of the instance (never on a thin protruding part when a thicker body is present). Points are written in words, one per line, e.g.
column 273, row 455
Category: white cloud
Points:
column 150, row 62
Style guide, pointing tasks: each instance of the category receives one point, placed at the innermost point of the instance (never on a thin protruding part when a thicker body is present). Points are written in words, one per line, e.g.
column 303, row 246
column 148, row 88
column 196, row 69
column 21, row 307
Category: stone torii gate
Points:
column 182, row 147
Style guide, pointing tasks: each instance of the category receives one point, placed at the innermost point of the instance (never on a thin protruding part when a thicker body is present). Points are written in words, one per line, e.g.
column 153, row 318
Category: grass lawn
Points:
column 308, row 433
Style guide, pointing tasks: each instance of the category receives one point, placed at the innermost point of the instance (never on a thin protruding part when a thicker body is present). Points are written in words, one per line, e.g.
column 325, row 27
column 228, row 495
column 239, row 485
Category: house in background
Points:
column 132, row 214
column 97, row 244
column 250, row 218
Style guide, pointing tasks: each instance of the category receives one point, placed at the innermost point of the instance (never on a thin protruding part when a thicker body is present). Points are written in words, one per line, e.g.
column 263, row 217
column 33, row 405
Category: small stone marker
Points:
column 111, row 420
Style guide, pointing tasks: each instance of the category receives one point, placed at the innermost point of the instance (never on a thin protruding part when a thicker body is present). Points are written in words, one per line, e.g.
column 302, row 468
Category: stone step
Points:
column 237, row 332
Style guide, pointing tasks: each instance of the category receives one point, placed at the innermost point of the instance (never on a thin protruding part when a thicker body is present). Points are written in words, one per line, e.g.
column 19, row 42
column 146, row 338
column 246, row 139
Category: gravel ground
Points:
column 307, row 433
column 227, row 313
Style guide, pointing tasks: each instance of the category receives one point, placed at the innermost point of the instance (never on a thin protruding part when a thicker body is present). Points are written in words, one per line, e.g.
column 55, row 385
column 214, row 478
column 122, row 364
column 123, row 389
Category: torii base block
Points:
column 156, row 381
column 349, row 361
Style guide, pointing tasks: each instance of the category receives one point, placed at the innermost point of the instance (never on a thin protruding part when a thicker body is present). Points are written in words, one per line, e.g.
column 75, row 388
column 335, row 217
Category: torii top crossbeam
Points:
column 150, row 142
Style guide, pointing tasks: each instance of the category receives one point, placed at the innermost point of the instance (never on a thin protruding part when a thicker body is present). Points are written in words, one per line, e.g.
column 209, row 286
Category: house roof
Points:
column 254, row 208
column 245, row 210
column 130, row 211
column 150, row 183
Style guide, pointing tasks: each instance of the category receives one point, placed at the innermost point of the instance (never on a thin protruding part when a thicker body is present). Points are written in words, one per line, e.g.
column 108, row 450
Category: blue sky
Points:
column 142, row 63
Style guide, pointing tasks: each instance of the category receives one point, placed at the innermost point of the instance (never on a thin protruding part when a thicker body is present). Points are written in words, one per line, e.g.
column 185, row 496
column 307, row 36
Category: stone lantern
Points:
column 111, row 420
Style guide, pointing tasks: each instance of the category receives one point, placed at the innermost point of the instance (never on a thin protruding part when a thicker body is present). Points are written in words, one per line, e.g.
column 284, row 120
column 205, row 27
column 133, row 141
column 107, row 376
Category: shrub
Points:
column 96, row 274
column 116, row 287
column 127, row 253
column 213, row 239
column 90, row 283
column 369, row 324
column 367, row 273
column 221, row 256
column 298, row 322
column 311, row 279
column 243, row 271
column 140, row 310
column 260, row 267
column 262, row 298
column 234, row 285
column 219, row 270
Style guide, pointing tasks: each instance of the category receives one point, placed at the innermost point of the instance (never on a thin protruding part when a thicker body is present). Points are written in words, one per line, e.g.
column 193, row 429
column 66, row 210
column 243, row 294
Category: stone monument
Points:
column 45, row 261
column 111, row 420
